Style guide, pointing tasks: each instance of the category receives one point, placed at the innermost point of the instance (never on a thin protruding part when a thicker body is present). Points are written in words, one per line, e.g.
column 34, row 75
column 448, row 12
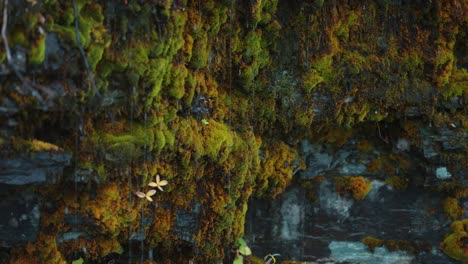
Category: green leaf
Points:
column 238, row 260
column 204, row 121
column 78, row 261
column 119, row 251
column 241, row 242
column 245, row 250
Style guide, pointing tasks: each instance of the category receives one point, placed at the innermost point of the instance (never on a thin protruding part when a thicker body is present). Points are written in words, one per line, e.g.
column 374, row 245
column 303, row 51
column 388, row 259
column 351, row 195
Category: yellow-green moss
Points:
column 311, row 80
column 277, row 169
column 38, row 145
column 125, row 145
column 451, row 208
column 36, row 54
column 454, row 245
column 457, row 84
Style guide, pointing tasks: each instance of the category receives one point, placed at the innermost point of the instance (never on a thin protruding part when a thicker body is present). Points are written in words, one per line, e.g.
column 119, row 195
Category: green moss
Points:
column 36, row 54
column 124, row 147
column 311, row 80
column 218, row 141
column 456, row 85
column 18, row 38
column 200, row 51
column 175, row 81
column 94, row 55
column 354, row 62
column 160, row 140
column 324, row 68
column 342, row 27
column 156, row 72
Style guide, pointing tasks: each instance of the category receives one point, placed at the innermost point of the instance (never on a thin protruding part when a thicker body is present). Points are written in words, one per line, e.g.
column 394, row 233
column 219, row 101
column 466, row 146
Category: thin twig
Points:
column 380, row 135
column 4, row 27
column 83, row 54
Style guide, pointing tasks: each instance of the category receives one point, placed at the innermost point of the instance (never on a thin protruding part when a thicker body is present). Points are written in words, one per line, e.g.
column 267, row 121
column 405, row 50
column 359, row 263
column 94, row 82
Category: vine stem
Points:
column 83, row 54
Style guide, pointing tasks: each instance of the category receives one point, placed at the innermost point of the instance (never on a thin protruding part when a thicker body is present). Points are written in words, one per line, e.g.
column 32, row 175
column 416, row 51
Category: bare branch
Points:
column 4, row 27
column 83, row 54
column 384, row 139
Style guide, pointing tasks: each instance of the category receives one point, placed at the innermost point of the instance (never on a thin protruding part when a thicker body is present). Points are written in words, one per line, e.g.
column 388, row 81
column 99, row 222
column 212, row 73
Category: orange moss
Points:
column 364, row 146
column 451, row 208
column 277, row 169
column 358, row 186
column 374, row 165
column 372, row 242
column 393, row 245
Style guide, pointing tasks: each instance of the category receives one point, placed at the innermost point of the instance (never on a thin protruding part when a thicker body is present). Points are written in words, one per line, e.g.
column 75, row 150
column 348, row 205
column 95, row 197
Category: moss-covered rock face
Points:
column 215, row 96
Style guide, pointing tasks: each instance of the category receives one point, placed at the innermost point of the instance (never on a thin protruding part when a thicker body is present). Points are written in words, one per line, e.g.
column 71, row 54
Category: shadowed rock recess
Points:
column 324, row 131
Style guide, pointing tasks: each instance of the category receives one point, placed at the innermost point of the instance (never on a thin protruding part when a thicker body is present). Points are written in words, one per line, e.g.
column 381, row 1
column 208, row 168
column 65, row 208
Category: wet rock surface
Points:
column 39, row 168
column 19, row 218
column 332, row 226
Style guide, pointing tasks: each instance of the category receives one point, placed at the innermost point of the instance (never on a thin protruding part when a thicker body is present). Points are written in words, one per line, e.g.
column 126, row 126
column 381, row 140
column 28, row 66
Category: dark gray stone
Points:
column 187, row 223
column 19, row 218
column 8, row 107
column 73, row 235
column 331, row 219
column 40, row 168
column 53, row 53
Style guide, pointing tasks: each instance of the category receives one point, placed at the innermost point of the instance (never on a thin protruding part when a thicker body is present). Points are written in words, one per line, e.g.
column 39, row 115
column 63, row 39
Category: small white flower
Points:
column 158, row 184
column 147, row 195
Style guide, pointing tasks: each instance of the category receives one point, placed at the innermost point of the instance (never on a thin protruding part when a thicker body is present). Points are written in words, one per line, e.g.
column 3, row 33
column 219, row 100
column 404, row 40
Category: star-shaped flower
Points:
column 147, row 195
column 158, row 184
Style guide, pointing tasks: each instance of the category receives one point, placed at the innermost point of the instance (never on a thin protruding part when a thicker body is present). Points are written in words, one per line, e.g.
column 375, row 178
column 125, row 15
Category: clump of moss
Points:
column 398, row 183
column 452, row 208
column 36, row 54
column 364, row 146
column 44, row 250
column 277, row 169
column 127, row 144
column 110, row 209
column 454, row 245
column 357, row 186
column 393, row 245
column 456, row 85
column 372, row 242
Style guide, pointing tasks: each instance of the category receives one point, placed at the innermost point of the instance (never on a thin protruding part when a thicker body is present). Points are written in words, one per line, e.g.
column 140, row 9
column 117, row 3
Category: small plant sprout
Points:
column 158, row 184
column 147, row 195
column 270, row 258
column 204, row 121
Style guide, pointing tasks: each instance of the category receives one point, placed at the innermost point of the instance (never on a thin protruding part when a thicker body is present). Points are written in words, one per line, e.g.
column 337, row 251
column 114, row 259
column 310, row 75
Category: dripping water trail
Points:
column 231, row 21
column 130, row 193
column 141, row 231
column 75, row 179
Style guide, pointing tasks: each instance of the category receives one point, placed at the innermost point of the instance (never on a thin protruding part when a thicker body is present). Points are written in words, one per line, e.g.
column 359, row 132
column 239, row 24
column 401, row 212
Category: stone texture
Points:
column 384, row 213
column 356, row 252
column 187, row 223
column 19, row 218
column 40, row 168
